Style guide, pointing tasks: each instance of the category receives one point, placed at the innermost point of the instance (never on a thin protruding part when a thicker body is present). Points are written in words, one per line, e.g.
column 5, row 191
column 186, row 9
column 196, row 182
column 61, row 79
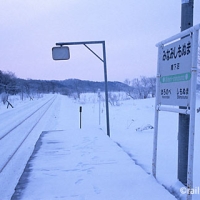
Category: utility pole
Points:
column 184, row 119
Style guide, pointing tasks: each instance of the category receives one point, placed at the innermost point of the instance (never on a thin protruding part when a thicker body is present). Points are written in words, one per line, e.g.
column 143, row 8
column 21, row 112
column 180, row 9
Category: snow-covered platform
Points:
column 84, row 165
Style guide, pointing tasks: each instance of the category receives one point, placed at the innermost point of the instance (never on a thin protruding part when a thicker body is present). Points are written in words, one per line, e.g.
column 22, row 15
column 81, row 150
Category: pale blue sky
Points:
column 131, row 28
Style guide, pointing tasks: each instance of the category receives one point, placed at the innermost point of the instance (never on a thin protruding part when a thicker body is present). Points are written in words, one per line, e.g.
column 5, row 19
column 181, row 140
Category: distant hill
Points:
column 10, row 84
column 93, row 86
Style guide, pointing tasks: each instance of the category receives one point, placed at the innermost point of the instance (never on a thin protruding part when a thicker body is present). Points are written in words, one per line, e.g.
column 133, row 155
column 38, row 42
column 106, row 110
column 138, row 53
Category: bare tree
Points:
column 8, row 82
column 145, row 86
column 152, row 84
column 77, row 87
column 113, row 99
column 130, row 91
column 127, row 82
column 136, row 84
column 141, row 88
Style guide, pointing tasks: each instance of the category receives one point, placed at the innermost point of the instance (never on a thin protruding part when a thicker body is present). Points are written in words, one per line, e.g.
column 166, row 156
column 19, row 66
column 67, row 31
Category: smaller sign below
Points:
column 185, row 1
column 60, row 53
column 176, row 78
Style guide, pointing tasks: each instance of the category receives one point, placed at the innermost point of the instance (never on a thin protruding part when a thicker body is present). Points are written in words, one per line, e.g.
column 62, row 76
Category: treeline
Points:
column 142, row 87
column 11, row 85
column 137, row 88
column 76, row 86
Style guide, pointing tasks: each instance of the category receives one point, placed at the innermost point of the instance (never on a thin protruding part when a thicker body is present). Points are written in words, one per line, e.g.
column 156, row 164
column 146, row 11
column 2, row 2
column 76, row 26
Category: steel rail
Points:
column 25, row 138
column 1, row 137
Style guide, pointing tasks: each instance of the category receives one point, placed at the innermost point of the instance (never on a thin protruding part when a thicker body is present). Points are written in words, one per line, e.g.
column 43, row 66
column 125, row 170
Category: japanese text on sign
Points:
column 182, row 93
column 174, row 53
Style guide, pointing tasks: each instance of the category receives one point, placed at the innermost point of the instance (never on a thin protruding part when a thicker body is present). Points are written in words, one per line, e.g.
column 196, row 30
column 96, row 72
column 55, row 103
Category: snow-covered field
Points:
column 131, row 124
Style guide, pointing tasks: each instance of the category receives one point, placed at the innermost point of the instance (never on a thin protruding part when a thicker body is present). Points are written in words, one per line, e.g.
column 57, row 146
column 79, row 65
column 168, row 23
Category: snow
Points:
column 85, row 164
column 130, row 147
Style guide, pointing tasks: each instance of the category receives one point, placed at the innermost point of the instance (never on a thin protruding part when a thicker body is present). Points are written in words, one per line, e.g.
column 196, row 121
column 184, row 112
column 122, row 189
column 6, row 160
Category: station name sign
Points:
column 175, row 62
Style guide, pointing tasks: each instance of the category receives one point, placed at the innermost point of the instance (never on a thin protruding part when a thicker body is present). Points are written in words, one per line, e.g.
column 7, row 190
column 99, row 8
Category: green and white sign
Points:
column 176, row 78
column 175, row 62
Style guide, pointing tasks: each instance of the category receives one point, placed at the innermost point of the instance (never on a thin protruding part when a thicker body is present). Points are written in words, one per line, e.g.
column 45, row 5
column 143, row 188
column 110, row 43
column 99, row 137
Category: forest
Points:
column 142, row 87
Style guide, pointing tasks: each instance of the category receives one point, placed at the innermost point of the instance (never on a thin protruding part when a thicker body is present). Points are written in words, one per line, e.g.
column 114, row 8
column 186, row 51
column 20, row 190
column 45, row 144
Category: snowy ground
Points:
column 82, row 165
column 127, row 121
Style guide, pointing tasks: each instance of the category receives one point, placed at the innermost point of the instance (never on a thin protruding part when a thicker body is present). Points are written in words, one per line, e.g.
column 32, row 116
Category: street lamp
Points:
column 61, row 52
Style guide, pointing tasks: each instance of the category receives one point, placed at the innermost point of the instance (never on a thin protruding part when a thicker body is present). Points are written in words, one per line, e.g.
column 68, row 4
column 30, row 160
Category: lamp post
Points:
column 61, row 53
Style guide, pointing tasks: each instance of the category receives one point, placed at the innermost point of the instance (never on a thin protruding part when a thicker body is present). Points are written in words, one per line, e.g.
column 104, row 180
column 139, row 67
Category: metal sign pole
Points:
column 192, row 115
column 99, row 96
column 155, row 140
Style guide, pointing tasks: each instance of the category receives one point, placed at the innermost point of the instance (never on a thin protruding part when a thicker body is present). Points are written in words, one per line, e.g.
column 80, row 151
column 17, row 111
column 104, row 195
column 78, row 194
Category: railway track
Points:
column 15, row 141
column 22, row 120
